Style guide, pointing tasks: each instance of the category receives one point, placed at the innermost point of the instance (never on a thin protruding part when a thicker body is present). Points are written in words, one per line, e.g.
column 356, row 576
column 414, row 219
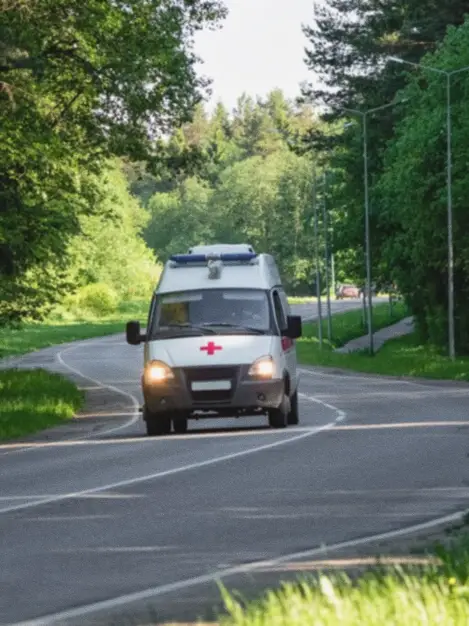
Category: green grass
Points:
column 33, row 400
column 403, row 356
column 14, row 342
column 430, row 595
column 349, row 325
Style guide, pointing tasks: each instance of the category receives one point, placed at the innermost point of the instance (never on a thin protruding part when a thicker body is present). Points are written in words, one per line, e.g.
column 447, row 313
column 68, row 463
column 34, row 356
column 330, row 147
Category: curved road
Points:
column 98, row 521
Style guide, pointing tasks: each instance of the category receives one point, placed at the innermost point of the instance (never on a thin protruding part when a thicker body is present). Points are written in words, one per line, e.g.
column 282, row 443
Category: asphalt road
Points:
column 98, row 521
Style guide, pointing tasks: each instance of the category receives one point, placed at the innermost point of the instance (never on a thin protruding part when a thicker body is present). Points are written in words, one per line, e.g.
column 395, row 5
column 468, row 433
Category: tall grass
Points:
column 431, row 595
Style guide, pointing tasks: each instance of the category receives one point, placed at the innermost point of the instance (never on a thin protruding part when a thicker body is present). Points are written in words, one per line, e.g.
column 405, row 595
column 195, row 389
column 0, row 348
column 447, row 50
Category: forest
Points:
column 111, row 160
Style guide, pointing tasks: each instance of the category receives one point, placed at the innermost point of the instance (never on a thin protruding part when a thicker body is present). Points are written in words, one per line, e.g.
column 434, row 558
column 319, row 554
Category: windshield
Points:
column 227, row 308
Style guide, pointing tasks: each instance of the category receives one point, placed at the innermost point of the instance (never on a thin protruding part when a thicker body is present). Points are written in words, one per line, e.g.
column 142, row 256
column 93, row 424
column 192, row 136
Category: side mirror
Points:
column 295, row 327
column 133, row 334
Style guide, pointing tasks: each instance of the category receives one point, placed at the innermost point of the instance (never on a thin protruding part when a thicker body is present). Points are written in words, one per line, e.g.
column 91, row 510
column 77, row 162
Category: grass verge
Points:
column 33, row 400
column 430, row 595
column 14, row 342
column 404, row 356
column 347, row 326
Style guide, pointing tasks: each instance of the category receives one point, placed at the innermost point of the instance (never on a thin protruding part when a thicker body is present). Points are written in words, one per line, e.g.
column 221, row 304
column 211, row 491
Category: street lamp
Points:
column 449, row 165
column 325, row 210
column 316, row 254
column 364, row 116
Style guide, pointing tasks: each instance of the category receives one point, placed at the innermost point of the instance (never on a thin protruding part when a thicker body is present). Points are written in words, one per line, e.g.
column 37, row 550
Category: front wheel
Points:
column 180, row 425
column 157, row 423
column 278, row 418
column 294, row 416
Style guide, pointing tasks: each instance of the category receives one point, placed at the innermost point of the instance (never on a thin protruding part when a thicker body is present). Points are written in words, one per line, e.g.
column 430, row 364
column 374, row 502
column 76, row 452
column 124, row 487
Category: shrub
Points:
column 98, row 299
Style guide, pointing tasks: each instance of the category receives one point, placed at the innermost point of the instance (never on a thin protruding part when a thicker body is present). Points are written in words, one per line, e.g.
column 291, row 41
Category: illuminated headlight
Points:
column 262, row 368
column 158, row 372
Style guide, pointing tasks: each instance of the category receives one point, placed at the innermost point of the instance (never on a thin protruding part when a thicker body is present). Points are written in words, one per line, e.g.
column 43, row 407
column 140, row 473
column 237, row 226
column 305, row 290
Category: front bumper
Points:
column 245, row 395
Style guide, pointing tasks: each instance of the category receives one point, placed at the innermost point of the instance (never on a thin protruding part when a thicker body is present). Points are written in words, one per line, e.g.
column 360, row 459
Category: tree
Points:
column 110, row 249
column 412, row 193
column 80, row 81
column 347, row 48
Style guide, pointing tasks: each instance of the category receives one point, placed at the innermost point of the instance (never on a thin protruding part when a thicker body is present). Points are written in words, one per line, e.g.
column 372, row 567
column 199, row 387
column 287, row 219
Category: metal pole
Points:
column 367, row 237
column 451, row 340
column 318, row 272
column 326, row 259
column 333, row 273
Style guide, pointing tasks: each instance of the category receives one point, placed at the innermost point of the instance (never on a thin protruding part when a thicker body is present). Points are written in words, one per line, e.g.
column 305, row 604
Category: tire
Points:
column 157, row 423
column 180, row 425
column 278, row 418
column 293, row 416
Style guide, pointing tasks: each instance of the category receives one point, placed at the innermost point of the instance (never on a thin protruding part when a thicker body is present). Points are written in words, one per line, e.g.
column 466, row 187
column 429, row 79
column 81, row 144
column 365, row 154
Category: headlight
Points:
column 158, row 372
column 262, row 368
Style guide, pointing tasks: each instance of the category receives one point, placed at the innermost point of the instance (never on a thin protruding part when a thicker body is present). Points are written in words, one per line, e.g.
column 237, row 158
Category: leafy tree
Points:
column 110, row 249
column 412, row 193
column 80, row 81
column 347, row 48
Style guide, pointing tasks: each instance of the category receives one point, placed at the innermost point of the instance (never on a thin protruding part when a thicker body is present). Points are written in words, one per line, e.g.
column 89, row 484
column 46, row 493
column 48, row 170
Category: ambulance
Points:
column 219, row 341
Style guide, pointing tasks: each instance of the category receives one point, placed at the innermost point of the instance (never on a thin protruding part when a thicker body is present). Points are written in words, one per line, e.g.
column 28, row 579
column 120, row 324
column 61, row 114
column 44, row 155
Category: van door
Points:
column 282, row 310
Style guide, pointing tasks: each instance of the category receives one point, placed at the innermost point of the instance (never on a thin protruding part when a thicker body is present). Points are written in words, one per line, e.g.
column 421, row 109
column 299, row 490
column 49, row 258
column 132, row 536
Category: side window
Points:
column 284, row 301
column 279, row 311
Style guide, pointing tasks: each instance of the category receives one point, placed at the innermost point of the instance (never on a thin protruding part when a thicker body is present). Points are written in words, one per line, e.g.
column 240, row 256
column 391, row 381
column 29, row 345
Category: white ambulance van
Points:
column 219, row 342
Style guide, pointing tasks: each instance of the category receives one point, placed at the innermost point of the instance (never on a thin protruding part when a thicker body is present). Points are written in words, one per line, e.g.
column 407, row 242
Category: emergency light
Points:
column 227, row 257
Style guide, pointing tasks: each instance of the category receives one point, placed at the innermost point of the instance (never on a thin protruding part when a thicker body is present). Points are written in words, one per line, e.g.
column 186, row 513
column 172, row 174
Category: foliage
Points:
column 348, row 47
column 80, row 81
column 413, row 194
column 249, row 187
column 34, row 336
column 110, row 248
column 98, row 299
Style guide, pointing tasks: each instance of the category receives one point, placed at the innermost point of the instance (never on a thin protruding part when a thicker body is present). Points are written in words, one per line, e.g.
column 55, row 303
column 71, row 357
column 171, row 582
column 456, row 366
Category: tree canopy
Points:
column 348, row 48
column 81, row 81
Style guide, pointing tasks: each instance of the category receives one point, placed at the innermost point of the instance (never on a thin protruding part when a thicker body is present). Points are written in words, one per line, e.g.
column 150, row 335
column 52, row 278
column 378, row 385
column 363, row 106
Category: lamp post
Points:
column 316, row 254
column 325, row 209
column 364, row 115
column 449, row 196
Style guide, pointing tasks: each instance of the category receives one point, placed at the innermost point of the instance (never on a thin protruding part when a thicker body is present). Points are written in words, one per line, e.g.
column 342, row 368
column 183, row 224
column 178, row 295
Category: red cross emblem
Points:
column 210, row 348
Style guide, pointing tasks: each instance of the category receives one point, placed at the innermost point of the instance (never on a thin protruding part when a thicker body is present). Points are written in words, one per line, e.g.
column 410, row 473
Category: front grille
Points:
column 200, row 374
column 208, row 397
column 204, row 374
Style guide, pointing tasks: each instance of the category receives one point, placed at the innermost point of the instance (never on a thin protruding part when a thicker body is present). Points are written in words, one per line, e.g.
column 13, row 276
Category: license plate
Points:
column 211, row 385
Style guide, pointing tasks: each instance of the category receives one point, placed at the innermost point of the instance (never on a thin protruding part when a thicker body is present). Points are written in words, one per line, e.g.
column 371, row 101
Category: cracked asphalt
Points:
column 99, row 522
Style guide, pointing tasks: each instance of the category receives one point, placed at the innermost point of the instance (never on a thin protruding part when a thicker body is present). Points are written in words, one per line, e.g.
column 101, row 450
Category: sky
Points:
column 260, row 47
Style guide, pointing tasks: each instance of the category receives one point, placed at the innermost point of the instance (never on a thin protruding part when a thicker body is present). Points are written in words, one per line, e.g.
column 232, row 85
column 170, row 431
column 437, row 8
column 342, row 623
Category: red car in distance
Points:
column 348, row 291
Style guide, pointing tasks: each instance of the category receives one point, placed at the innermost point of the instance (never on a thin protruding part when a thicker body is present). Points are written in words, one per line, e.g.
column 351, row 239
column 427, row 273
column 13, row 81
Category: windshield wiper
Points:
column 195, row 327
column 252, row 329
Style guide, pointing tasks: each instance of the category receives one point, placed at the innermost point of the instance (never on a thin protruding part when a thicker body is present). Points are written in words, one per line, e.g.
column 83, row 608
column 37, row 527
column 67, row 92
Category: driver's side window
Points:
column 280, row 315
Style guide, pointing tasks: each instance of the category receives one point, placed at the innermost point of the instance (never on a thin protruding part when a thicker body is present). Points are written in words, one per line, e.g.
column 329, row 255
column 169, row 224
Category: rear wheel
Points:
column 293, row 416
column 157, row 423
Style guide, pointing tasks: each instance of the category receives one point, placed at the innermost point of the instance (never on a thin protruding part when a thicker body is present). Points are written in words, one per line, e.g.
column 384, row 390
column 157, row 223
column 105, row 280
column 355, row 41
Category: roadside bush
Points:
column 98, row 299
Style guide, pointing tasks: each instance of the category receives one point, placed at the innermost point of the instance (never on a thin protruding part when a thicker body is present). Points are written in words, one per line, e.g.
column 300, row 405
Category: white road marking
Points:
column 126, row 394
column 170, row 472
column 160, row 590
column 135, row 413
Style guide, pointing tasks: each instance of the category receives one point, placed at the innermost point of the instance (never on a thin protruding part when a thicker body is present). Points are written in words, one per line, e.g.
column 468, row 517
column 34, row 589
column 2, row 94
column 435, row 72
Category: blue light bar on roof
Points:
column 185, row 259
column 238, row 256
column 229, row 257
